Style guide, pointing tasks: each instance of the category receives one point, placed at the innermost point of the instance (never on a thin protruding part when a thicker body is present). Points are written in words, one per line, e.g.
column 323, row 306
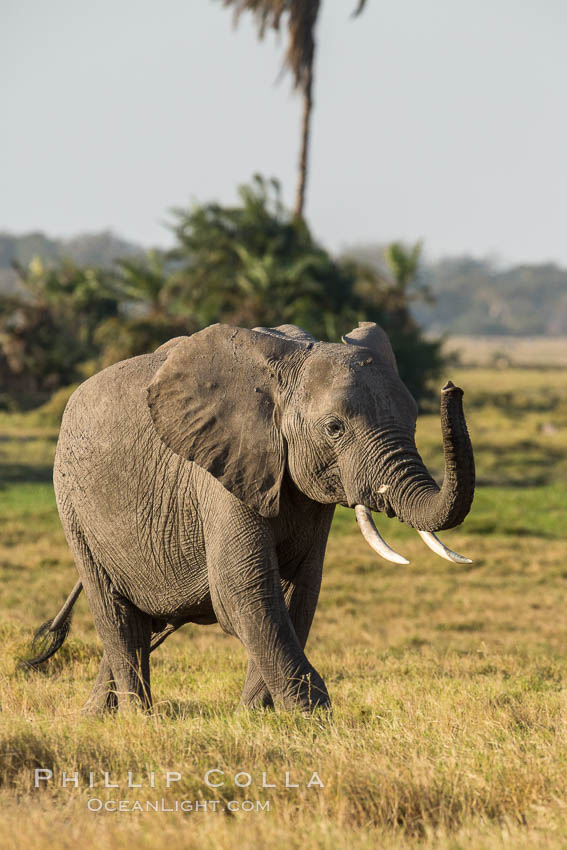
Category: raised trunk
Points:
column 414, row 495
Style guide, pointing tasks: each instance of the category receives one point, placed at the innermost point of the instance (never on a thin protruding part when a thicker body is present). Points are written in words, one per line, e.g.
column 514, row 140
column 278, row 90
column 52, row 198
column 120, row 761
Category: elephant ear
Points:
column 289, row 332
column 214, row 401
column 171, row 343
column 372, row 336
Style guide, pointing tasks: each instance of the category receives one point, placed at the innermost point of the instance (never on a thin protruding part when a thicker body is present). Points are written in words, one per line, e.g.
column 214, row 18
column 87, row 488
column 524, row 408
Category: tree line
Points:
column 251, row 264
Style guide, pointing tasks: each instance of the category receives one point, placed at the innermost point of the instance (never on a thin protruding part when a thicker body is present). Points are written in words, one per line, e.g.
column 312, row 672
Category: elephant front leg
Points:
column 249, row 602
column 301, row 593
column 301, row 596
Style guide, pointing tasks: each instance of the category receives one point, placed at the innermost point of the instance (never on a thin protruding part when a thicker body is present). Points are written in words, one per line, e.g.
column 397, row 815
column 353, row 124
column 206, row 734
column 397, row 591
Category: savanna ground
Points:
column 449, row 682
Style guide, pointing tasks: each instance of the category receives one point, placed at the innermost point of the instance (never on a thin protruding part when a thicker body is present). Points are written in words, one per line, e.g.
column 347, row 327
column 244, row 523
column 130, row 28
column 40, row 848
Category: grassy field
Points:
column 499, row 351
column 449, row 727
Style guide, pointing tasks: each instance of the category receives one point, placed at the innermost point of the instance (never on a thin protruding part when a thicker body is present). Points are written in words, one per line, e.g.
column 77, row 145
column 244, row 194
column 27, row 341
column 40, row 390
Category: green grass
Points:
column 449, row 727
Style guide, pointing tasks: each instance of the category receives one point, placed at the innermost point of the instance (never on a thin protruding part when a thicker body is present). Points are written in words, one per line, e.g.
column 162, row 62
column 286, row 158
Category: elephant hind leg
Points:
column 124, row 630
column 103, row 695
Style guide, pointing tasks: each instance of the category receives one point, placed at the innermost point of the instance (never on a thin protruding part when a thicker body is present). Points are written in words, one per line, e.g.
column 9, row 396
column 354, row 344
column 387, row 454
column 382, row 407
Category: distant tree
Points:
column 299, row 59
column 48, row 329
column 147, row 314
column 250, row 264
column 257, row 264
column 95, row 250
column 403, row 263
column 145, row 281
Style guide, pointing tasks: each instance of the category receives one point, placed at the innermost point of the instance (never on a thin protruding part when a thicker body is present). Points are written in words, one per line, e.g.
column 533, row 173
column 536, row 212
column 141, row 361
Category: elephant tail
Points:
column 52, row 634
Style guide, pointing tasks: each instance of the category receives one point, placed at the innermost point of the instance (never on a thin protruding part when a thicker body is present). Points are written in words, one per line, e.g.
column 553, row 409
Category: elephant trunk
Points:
column 414, row 495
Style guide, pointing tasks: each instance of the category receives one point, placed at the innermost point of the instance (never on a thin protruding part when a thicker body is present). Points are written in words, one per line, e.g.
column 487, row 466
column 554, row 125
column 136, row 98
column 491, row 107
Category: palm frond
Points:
column 301, row 18
column 359, row 8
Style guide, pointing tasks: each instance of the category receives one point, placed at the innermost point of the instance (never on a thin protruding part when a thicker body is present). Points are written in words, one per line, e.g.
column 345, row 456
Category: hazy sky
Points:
column 437, row 119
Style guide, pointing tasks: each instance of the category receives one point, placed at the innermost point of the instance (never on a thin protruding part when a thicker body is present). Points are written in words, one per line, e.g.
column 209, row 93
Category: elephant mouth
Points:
column 381, row 504
column 377, row 502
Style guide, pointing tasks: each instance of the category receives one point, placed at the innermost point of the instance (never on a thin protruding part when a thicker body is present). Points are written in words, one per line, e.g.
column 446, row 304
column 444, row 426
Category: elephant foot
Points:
column 100, row 703
column 261, row 699
column 255, row 693
column 110, row 701
column 103, row 696
column 303, row 692
column 308, row 693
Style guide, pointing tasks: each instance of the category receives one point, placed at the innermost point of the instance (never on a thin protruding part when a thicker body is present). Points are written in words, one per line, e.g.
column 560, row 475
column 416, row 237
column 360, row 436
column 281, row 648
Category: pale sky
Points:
column 444, row 120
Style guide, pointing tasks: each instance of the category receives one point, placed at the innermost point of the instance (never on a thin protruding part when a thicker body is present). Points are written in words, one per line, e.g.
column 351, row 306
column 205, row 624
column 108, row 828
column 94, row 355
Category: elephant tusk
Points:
column 440, row 549
column 373, row 538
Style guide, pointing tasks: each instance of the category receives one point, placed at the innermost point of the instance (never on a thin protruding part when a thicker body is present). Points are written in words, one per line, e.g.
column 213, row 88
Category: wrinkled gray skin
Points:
column 198, row 483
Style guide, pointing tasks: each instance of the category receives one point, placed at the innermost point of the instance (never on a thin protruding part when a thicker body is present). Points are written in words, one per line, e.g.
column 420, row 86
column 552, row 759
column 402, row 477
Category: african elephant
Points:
column 198, row 484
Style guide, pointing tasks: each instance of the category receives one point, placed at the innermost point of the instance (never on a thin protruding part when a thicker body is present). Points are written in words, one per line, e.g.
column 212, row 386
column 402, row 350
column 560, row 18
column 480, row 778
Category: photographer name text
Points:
column 212, row 778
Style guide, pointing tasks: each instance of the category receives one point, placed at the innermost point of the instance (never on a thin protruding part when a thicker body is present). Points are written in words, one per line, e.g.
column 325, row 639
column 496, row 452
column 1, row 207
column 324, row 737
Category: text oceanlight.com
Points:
column 95, row 804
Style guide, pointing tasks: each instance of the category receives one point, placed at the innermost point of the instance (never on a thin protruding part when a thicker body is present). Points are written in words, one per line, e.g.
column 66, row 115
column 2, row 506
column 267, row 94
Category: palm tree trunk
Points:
column 305, row 133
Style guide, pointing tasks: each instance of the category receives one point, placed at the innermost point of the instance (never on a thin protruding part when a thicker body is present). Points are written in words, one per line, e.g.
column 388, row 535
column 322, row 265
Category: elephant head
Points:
column 249, row 405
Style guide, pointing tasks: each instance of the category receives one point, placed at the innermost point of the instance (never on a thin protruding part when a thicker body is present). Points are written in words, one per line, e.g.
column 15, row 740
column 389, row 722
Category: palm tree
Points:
column 299, row 59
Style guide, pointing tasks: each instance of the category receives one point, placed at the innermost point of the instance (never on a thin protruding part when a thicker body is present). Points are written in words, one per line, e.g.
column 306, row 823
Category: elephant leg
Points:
column 103, row 695
column 301, row 595
column 248, row 600
column 124, row 630
column 255, row 693
column 301, row 602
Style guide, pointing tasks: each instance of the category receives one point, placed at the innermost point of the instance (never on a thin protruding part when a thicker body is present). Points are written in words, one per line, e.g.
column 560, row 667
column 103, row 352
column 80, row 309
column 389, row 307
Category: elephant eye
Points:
column 334, row 428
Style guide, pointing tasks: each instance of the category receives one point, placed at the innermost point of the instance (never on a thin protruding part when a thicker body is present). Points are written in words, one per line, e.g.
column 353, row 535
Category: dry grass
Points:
column 448, row 683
